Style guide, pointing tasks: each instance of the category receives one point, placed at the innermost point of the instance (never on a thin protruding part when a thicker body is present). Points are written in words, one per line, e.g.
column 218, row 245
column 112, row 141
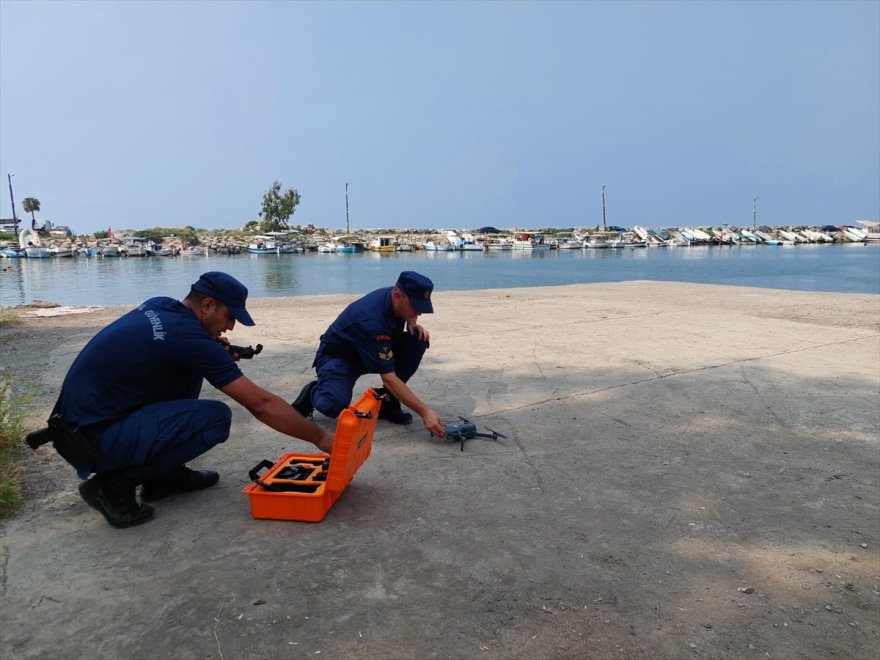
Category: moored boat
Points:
column 438, row 246
column 62, row 251
column 596, row 243
column 530, row 240
column 263, row 245
column 383, row 244
column 498, row 244
column 190, row 250
column 133, row 246
column 30, row 244
column 854, row 235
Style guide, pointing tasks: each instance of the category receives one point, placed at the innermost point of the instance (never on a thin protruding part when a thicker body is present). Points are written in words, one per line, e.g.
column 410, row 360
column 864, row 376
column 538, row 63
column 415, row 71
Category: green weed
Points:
column 8, row 319
column 11, row 447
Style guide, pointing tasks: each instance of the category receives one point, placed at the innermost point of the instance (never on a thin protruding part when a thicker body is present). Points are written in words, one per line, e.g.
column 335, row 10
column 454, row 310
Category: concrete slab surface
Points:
column 689, row 470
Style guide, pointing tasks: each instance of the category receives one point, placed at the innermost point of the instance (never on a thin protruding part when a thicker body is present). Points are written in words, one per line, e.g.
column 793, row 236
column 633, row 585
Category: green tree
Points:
column 31, row 205
column 278, row 207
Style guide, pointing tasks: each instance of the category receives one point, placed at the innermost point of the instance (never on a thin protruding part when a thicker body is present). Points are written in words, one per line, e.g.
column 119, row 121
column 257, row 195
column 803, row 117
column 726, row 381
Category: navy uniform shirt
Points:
column 157, row 352
column 365, row 329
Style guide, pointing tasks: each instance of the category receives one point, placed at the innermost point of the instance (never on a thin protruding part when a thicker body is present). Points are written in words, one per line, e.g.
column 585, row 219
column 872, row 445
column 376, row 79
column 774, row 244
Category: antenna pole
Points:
column 604, row 227
column 12, row 200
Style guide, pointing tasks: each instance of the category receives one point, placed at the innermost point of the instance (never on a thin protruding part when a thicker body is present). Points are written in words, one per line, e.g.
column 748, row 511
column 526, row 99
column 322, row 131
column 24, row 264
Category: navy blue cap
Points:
column 418, row 288
column 227, row 290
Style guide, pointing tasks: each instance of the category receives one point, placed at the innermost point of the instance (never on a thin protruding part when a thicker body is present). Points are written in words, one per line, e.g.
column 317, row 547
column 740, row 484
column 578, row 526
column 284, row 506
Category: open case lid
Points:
column 353, row 439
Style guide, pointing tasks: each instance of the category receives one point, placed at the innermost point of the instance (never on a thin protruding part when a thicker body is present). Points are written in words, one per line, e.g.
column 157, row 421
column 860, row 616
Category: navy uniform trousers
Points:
column 161, row 436
column 338, row 374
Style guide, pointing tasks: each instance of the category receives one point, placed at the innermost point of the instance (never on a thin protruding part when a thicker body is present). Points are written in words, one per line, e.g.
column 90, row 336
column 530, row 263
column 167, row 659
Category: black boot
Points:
column 114, row 496
column 180, row 480
column 303, row 403
column 391, row 410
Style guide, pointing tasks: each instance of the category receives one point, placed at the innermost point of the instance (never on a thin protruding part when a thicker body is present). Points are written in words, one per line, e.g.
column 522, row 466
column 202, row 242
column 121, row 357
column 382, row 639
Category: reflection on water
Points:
column 279, row 273
column 128, row 281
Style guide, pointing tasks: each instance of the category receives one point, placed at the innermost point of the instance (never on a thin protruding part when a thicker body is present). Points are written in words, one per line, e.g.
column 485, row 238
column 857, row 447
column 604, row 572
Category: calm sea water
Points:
column 128, row 281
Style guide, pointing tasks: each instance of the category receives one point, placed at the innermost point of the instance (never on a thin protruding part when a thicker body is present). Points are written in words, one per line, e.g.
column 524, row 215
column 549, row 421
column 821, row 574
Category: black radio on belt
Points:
column 245, row 352
column 76, row 447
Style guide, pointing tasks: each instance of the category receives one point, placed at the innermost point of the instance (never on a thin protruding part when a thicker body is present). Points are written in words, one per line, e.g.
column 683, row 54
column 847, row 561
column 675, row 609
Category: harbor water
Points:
column 845, row 268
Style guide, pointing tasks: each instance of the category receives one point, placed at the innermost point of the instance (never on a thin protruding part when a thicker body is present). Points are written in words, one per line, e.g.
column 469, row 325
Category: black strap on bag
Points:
column 72, row 445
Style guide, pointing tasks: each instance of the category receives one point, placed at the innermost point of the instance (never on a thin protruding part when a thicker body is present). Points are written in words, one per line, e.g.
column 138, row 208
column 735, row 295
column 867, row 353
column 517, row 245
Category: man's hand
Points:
column 434, row 424
column 325, row 443
column 223, row 340
column 416, row 329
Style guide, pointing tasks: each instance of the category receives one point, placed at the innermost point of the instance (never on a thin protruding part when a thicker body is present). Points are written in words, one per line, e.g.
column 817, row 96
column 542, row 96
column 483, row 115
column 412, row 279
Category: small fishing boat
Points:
column 499, row 244
column 530, row 240
column 62, row 251
column 190, row 250
column 641, row 232
column 438, row 246
column 854, row 235
column 463, row 243
column 596, row 243
column 30, row 243
column 153, row 249
column 133, row 246
column 383, row 244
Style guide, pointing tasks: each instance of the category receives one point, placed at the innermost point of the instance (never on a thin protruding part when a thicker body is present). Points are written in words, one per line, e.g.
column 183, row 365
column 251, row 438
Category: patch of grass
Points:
column 11, row 447
column 8, row 319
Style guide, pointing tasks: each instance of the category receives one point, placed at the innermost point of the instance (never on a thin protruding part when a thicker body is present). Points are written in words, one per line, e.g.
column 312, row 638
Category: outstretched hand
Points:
column 325, row 442
column 434, row 424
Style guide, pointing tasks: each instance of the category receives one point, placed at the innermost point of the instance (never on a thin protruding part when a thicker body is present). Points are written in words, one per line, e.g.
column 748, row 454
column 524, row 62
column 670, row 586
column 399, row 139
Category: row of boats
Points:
column 637, row 237
column 730, row 236
column 30, row 243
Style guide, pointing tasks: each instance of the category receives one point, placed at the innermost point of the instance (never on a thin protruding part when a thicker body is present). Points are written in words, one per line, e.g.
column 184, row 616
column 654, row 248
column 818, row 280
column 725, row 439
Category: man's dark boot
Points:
column 303, row 403
column 114, row 496
column 180, row 480
column 391, row 410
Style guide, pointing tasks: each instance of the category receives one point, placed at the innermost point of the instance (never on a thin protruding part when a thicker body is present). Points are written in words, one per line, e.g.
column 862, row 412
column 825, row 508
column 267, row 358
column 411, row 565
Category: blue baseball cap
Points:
column 229, row 291
column 418, row 288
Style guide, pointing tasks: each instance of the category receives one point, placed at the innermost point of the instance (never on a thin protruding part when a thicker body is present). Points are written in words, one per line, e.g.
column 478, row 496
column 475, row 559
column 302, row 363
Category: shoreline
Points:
column 687, row 468
column 46, row 308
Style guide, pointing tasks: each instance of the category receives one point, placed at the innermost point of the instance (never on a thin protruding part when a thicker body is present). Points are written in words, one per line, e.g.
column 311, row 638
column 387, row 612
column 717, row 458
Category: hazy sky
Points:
column 441, row 114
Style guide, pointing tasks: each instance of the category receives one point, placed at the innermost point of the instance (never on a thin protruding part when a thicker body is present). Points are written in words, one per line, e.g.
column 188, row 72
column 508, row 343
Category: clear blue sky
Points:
column 448, row 114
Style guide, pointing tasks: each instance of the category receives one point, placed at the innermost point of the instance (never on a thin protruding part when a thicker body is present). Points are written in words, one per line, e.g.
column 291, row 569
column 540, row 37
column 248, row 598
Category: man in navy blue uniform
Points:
column 376, row 334
column 133, row 393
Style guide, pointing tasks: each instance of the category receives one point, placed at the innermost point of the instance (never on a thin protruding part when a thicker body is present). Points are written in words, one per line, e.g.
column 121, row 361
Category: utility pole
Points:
column 755, row 213
column 604, row 227
column 347, row 230
column 12, row 200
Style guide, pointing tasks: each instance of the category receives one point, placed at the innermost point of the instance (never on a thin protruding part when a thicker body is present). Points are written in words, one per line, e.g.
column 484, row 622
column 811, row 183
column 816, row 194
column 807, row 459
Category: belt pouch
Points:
column 73, row 445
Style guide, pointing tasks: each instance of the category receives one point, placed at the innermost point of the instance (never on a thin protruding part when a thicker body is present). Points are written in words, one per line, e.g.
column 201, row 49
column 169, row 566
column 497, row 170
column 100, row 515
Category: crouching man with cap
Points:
column 376, row 334
column 132, row 394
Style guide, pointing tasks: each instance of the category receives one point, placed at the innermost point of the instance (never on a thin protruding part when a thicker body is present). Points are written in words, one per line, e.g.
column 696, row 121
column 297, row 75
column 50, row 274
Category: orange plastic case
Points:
column 304, row 486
